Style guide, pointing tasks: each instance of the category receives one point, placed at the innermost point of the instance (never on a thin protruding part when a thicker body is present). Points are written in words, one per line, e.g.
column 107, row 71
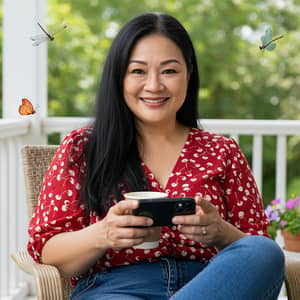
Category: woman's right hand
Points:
column 119, row 228
column 74, row 252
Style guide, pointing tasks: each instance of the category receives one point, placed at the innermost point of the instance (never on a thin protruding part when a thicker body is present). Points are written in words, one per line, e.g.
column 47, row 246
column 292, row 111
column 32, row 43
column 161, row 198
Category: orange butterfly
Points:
column 26, row 108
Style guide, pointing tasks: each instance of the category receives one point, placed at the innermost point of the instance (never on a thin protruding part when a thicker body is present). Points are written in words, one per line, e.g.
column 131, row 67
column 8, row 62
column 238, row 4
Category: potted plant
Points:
column 285, row 217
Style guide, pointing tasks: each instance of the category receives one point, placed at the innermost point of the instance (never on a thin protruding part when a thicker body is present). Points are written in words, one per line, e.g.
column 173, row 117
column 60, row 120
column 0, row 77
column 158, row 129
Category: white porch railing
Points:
column 13, row 219
column 15, row 133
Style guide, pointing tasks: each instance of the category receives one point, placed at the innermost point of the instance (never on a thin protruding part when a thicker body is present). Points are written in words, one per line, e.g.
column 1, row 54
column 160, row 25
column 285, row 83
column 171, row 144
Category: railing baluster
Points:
column 4, row 208
column 235, row 137
column 257, row 166
column 13, row 222
column 280, row 185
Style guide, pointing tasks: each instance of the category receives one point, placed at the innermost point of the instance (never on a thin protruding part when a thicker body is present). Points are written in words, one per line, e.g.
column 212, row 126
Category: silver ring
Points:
column 203, row 231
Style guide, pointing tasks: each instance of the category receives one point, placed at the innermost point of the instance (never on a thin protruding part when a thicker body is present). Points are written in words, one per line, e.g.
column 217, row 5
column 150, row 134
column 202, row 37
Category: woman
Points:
column 145, row 137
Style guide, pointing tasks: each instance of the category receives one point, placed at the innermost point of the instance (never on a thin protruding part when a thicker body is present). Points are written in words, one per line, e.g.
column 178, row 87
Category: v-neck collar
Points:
column 150, row 175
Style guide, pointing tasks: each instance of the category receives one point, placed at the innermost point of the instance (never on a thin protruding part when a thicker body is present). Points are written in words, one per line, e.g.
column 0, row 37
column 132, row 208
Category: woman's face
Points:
column 156, row 79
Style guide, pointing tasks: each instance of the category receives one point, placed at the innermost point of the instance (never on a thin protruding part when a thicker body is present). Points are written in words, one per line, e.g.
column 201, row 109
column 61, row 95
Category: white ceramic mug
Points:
column 153, row 240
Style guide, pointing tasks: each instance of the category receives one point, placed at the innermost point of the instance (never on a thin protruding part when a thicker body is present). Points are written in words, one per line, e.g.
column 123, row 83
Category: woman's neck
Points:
column 153, row 135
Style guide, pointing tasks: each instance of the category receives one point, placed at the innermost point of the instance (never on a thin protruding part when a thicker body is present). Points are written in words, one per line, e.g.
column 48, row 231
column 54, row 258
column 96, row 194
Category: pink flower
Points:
column 290, row 203
column 283, row 223
column 276, row 201
column 297, row 202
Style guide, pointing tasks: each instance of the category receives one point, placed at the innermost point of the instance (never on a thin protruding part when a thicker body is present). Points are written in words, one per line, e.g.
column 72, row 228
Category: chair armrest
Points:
column 47, row 278
column 292, row 279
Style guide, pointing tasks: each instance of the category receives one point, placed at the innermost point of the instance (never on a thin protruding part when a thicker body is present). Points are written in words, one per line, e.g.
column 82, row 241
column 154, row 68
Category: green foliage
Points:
column 294, row 186
column 54, row 139
column 232, row 68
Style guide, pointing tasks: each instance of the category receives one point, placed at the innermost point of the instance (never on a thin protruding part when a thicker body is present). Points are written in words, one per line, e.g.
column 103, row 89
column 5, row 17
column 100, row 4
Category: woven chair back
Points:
column 36, row 160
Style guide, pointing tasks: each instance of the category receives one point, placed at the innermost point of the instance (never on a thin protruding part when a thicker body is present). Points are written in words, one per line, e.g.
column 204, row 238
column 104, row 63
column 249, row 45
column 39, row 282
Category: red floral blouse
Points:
column 210, row 165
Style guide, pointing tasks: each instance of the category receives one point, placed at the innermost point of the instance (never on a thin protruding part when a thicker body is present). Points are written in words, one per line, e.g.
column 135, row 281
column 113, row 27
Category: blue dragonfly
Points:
column 267, row 40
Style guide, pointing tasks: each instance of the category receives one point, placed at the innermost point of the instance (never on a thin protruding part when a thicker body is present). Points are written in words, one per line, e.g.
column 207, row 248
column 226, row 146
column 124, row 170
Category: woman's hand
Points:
column 207, row 226
column 119, row 227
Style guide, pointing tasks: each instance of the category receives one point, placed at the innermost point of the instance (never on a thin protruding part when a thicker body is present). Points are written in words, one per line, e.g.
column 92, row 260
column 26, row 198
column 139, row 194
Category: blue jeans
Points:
column 251, row 268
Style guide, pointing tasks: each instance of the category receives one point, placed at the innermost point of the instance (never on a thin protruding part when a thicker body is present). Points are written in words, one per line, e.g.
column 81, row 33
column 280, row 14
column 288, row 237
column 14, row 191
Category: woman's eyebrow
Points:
column 137, row 61
column 168, row 61
column 165, row 62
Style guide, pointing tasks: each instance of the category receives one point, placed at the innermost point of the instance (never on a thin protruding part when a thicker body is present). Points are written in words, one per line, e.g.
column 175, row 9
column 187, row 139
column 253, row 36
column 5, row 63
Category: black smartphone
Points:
column 162, row 210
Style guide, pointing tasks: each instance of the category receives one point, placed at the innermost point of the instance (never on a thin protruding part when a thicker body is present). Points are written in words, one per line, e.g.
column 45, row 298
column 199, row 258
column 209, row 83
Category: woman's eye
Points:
column 137, row 71
column 169, row 71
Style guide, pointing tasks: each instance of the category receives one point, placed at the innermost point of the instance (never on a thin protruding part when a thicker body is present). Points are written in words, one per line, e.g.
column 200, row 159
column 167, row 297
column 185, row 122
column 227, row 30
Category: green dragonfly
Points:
column 268, row 41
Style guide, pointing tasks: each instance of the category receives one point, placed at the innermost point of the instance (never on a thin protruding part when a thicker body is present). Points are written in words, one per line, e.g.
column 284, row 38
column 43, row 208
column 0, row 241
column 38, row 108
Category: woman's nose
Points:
column 153, row 83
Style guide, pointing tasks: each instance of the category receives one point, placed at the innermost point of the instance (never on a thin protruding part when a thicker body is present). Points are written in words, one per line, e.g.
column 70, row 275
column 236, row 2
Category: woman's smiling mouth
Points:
column 154, row 99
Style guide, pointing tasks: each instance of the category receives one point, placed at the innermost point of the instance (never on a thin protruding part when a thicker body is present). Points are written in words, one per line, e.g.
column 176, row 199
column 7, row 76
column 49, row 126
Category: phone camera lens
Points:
column 179, row 207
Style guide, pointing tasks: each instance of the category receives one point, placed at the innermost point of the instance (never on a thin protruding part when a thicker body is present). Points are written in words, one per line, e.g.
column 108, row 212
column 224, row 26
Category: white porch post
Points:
column 24, row 66
column 24, row 75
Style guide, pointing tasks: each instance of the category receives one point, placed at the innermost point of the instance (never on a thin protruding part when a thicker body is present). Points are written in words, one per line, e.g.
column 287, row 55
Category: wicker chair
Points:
column 49, row 284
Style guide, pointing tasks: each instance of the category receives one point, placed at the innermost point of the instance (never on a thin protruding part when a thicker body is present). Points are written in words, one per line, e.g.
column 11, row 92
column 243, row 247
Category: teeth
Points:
column 154, row 101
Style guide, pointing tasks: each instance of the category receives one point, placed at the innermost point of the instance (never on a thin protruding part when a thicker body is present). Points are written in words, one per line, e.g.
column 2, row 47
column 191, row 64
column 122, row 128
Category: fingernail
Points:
column 175, row 220
column 149, row 222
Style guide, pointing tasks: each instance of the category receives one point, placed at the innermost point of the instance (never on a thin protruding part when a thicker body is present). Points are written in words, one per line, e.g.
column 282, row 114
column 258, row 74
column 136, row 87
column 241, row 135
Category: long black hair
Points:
column 112, row 157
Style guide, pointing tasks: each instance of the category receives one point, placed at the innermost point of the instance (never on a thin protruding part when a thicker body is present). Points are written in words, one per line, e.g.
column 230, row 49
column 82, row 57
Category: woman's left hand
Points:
column 207, row 226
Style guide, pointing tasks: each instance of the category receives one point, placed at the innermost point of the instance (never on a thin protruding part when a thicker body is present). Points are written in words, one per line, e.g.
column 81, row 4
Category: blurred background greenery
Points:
column 238, row 81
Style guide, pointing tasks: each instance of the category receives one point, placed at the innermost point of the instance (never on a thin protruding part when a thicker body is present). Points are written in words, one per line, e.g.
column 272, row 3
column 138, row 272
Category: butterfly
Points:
column 45, row 36
column 268, row 41
column 26, row 108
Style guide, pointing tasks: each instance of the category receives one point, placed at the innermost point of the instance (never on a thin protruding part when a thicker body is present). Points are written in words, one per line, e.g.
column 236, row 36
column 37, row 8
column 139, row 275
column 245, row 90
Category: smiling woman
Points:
column 145, row 138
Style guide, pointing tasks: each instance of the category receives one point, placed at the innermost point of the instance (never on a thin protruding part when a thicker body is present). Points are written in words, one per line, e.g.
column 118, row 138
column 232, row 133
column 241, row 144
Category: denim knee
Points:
column 264, row 251
column 250, row 268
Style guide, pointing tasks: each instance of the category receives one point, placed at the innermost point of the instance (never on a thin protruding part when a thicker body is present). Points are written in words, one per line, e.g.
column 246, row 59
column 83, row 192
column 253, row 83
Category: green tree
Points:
column 232, row 69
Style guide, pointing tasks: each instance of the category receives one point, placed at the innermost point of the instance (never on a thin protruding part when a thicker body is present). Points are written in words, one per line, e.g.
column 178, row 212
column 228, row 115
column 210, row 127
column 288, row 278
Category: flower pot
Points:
column 291, row 241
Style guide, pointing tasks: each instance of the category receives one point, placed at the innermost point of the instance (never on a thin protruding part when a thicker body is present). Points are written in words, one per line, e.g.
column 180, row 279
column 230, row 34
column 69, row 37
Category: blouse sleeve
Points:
column 242, row 198
column 58, row 209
